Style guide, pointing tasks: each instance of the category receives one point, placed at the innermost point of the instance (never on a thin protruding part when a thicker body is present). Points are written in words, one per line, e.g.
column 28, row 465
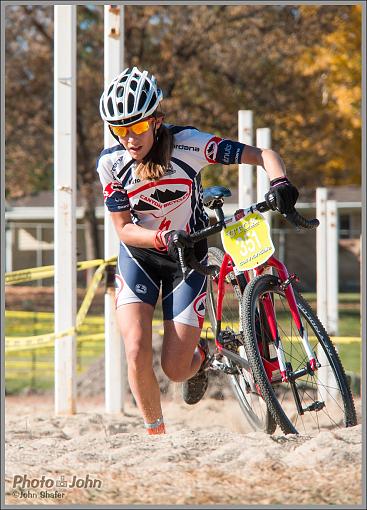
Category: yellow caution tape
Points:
column 21, row 343
column 38, row 273
column 28, row 275
column 47, row 317
column 20, row 314
column 88, row 298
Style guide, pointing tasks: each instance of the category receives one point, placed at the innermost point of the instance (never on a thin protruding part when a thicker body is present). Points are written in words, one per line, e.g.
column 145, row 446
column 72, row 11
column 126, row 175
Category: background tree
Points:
column 297, row 67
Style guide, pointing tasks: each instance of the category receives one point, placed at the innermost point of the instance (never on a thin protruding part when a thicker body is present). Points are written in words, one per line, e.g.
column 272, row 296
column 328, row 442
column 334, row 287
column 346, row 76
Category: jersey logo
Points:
column 163, row 196
column 199, row 305
column 140, row 288
column 186, row 147
column 165, row 224
column 116, row 164
column 112, row 188
column 211, row 149
column 158, row 199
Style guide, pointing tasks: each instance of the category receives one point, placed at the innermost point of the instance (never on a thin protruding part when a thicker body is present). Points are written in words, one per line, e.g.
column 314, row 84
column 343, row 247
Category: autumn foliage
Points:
column 297, row 67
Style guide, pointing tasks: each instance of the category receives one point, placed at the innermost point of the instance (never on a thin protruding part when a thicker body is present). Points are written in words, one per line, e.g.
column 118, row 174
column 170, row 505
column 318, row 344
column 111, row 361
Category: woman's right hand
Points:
column 177, row 239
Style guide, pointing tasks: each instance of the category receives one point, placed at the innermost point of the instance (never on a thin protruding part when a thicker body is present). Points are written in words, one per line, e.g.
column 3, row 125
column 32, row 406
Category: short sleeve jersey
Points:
column 175, row 200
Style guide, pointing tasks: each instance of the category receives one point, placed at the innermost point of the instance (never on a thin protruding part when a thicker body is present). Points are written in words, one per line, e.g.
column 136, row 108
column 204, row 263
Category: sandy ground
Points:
column 208, row 456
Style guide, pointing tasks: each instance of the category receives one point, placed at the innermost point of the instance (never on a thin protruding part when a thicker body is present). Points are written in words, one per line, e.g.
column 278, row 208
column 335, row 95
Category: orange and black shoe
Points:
column 194, row 388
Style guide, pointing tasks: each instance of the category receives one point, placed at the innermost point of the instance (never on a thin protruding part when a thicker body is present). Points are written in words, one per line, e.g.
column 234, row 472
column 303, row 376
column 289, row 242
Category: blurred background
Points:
column 298, row 68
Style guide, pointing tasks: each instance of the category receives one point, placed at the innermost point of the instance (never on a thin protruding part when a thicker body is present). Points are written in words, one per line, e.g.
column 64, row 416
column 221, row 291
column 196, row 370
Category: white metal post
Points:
column 263, row 140
column 332, row 283
column 321, row 287
column 9, row 248
column 39, row 256
column 245, row 173
column 114, row 358
column 321, row 256
column 332, row 278
column 65, row 204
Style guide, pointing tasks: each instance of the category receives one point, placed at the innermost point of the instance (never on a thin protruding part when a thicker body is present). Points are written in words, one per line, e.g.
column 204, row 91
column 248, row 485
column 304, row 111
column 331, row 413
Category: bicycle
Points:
column 283, row 368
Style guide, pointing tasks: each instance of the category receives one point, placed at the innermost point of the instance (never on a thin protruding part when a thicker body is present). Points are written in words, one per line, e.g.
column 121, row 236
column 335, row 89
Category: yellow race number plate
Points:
column 248, row 241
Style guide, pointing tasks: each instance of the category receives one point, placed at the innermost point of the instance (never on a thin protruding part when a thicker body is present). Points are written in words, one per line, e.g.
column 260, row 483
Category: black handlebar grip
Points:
column 206, row 232
column 300, row 221
column 200, row 268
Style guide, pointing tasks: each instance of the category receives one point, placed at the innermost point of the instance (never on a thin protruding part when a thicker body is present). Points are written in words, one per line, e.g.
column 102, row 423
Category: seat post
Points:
column 219, row 214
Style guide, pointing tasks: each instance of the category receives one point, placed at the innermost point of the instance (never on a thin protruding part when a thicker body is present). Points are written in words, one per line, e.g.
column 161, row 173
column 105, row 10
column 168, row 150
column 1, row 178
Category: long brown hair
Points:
column 156, row 162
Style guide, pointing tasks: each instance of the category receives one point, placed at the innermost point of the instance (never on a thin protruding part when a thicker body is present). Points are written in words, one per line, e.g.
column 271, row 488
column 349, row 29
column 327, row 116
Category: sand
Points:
column 208, row 456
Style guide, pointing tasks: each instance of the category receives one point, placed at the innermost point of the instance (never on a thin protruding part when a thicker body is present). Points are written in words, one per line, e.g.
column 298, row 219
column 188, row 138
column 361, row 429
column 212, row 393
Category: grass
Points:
column 35, row 369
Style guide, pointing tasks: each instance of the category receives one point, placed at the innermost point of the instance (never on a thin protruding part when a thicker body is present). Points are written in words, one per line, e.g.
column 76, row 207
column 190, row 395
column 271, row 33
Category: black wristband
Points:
column 279, row 180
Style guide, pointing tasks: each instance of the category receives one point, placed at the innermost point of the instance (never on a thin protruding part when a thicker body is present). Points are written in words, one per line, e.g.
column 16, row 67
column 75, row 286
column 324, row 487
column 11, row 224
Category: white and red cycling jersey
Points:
column 174, row 202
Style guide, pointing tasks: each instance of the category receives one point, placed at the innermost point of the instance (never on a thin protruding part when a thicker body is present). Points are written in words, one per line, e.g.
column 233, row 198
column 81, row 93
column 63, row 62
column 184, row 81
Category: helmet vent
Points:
column 110, row 106
column 130, row 102
column 133, row 84
column 120, row 92
column 120, row 107
column 152, row 102
column 142, row 100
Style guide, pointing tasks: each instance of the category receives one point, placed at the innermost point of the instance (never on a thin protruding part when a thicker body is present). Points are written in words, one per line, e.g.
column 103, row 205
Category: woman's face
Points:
column 138, row 146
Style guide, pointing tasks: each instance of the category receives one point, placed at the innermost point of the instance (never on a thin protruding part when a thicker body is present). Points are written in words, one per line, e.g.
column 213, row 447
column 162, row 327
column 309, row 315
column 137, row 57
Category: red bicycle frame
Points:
column 278, row 364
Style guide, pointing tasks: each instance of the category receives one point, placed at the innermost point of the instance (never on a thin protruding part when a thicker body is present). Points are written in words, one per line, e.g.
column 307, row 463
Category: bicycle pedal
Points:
column 229, row 340
column 315, row 406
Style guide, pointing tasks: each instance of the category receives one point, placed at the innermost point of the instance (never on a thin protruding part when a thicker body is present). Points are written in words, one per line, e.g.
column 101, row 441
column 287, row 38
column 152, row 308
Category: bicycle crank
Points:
column 218, row 365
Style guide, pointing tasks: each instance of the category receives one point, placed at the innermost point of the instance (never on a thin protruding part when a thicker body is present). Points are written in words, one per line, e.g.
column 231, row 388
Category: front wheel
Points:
column 324, row 395
column 252, row 404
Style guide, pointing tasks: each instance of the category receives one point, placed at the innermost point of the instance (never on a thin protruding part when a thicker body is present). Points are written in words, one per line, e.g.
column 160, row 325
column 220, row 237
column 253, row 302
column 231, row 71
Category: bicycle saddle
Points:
column 213, row 197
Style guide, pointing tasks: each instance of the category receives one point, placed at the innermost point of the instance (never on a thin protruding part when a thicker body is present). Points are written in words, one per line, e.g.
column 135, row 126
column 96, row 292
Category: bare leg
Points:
column 135, row 321
column 179, row 359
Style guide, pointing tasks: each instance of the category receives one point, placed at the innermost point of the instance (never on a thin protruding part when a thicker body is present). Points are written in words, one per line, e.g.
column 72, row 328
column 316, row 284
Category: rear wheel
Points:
column 324, row 395
column 242, row 383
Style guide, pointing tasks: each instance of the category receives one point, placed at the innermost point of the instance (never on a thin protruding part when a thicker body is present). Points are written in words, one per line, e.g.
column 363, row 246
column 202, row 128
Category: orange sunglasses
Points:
column 139, row 128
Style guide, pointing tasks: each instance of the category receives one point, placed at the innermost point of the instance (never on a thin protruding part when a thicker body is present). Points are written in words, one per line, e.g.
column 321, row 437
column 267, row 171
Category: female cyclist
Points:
column 152, row 188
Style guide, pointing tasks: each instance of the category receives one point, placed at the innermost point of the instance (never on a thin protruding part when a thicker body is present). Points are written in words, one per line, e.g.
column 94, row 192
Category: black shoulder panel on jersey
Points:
column 126, row 167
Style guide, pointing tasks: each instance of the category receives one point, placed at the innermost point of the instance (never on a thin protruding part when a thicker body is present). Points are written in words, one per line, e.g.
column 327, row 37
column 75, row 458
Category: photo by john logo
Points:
column 23, row 482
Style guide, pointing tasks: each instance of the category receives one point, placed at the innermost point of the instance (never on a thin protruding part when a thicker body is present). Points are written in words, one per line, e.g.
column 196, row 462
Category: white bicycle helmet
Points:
column 132, row 96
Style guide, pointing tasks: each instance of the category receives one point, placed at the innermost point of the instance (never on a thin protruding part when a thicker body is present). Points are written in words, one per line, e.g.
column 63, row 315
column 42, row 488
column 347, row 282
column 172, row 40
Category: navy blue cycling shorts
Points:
column 142, row 272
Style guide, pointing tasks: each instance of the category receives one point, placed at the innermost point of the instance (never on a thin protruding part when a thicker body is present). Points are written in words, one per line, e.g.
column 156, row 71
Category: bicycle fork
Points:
column 286, row 285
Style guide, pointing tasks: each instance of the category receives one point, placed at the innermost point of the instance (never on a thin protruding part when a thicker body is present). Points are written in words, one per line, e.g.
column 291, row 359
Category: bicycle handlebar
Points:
column 294, row 217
